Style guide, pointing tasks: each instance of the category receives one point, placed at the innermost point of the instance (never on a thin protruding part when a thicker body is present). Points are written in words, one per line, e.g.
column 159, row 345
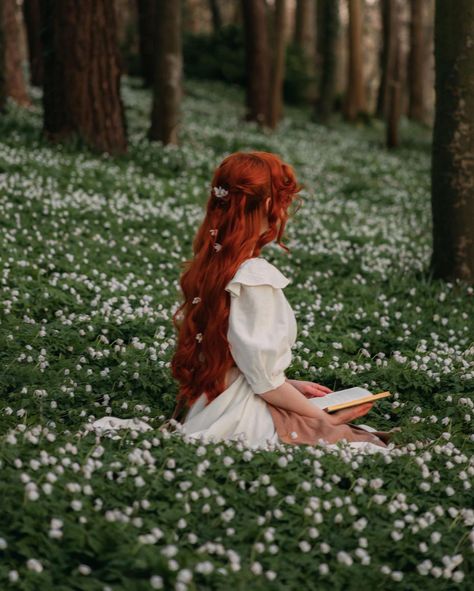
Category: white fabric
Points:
column 262, row 325
column 262, row 329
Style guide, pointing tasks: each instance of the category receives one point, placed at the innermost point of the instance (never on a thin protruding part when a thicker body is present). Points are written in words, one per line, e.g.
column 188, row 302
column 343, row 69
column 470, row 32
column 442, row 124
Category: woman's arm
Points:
column 288, row 397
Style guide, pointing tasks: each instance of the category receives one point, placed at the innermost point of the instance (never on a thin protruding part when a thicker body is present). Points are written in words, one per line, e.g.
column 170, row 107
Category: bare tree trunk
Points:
column 15, row 86
column 452, row 171
column 167, row 89
column 257, row 59
column 394, row 74
column 355, row 103
column 275, row 107
column 305, row 20
column 3, row 82
column 147, row 37
column 305, row 38
column 381, row 108
column 32, row 18
column 416, row 62
column 81, row 94
column 216, row 15
column 328, row 28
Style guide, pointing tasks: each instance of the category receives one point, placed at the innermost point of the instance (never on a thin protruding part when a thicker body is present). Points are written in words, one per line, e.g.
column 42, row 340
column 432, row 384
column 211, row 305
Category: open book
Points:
column 346, row 398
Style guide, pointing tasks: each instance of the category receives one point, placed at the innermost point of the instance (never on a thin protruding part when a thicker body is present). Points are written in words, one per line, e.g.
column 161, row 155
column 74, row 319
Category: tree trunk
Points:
column 257, row 88
column 305, row 20
column 328, row 28
column 216, row 15
column 416, row 62
column 452, row 171
column 167, row 90
column 147, row 35
column 381, row 109
column 81, row 94
column 275, row 106
column 393, row 72
column 32, row 18
column 3, row 82
column 355, row 103
column 305, row 38
column 15, row 86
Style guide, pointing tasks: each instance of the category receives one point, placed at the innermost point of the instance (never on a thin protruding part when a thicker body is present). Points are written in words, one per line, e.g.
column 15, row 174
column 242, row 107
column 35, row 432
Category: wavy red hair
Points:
column 200, row 366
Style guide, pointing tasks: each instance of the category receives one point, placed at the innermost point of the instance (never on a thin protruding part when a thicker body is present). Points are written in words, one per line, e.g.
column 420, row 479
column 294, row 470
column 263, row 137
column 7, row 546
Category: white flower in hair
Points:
column 213, row 232
column 220, row 192
column 196, row 300
column 199, row 337
column 217, row 246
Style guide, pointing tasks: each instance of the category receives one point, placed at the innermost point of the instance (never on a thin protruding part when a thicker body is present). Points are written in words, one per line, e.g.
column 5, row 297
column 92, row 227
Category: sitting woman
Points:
column 235, row 328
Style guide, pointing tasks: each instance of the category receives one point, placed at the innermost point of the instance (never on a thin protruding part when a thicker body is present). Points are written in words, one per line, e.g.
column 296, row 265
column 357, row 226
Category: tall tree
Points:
column 167, row 85
column 416, row 62
column 452, row 171
column 216, row 15
column 275, row 106
column 147, row 36
column 81, row 94
column 32, row 18
column 305, row 38
column 3, row 82
column 257, row 88
column 328, row 28
column 355, row 100
column 383, row 59
column 393, row 70
column 14, row 80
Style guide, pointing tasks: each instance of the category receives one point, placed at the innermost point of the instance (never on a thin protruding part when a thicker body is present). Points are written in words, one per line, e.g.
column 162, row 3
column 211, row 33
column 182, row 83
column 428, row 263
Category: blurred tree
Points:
column 355, row 99
column 383, row 59
column 393, row 72
column 81, row 88
column 256, row 60
column 128, row 37
column 452, row 170
column 328, row 28
column 147, row 36
column 31, row 16
column 275, row 106
column 305, row 39
column 167, row 86
column 14, row 85
column 416, row 62
column 216, row 15
column 3, row 88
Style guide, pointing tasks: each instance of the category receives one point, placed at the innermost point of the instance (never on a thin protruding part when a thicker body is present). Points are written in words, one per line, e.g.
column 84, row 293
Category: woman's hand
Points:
column 346, row 415
column 310, row 389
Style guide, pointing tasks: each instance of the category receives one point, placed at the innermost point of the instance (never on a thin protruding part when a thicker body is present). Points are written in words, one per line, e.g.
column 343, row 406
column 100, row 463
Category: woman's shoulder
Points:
column 256, row 271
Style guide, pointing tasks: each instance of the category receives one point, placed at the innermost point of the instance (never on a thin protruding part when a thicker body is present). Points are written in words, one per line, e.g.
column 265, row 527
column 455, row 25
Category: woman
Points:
column 236, row 328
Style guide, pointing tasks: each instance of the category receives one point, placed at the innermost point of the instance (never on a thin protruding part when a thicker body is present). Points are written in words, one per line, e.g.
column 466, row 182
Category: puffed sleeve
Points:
column 258, row 331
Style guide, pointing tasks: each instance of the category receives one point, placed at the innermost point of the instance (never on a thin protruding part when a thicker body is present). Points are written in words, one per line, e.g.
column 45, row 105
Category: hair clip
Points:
column 220, row 192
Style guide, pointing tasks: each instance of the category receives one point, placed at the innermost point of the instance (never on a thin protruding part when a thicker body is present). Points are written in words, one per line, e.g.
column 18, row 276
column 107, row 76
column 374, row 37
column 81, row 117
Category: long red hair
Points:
column 226, row 237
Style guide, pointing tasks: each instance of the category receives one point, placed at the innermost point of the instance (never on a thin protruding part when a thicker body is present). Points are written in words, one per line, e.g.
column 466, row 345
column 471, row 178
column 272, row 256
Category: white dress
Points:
column 261, row 332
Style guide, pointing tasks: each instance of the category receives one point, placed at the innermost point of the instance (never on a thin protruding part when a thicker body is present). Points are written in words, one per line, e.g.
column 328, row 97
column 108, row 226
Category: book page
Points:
column 340, row 396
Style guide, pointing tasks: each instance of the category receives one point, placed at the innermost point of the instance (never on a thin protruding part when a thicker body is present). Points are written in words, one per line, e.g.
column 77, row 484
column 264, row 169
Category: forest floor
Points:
column 89, row 264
